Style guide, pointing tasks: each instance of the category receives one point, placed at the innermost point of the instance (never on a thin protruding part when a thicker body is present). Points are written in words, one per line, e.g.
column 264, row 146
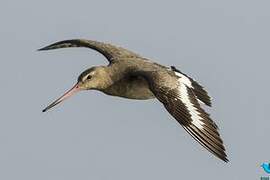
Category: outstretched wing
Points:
column 111, row 52
column 182, row 103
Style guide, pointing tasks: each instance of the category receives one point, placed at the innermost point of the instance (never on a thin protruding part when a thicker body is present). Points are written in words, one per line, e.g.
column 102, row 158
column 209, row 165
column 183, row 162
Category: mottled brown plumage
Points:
column 131, row 76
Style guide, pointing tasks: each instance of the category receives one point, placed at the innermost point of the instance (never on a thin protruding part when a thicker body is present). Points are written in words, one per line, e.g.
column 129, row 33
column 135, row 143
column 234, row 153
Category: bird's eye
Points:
column 88, row 77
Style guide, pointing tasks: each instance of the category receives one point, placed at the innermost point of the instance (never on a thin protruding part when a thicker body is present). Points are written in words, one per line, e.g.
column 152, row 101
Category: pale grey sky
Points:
column 222, row 44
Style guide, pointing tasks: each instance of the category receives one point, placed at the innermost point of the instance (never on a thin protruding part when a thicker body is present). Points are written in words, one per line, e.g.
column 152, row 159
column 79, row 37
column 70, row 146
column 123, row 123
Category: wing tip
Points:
column 63, row 44
column 43, row 49
column 213, row 144
column 208, row 103
column 226, row 160
column 56, row 45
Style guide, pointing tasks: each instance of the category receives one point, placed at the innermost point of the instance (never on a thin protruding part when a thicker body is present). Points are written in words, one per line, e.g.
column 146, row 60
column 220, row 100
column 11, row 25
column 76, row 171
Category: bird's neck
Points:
column 111, row 75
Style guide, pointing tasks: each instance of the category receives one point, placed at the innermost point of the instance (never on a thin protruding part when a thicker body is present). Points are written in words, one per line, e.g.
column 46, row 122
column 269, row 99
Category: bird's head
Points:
column 92, row 78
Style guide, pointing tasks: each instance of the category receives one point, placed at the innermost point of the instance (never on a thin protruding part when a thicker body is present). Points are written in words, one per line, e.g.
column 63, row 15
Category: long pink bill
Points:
column 69, row 93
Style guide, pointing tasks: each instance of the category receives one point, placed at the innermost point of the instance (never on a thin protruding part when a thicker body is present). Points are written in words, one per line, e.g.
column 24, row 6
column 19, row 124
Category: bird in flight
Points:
column 132, row 76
